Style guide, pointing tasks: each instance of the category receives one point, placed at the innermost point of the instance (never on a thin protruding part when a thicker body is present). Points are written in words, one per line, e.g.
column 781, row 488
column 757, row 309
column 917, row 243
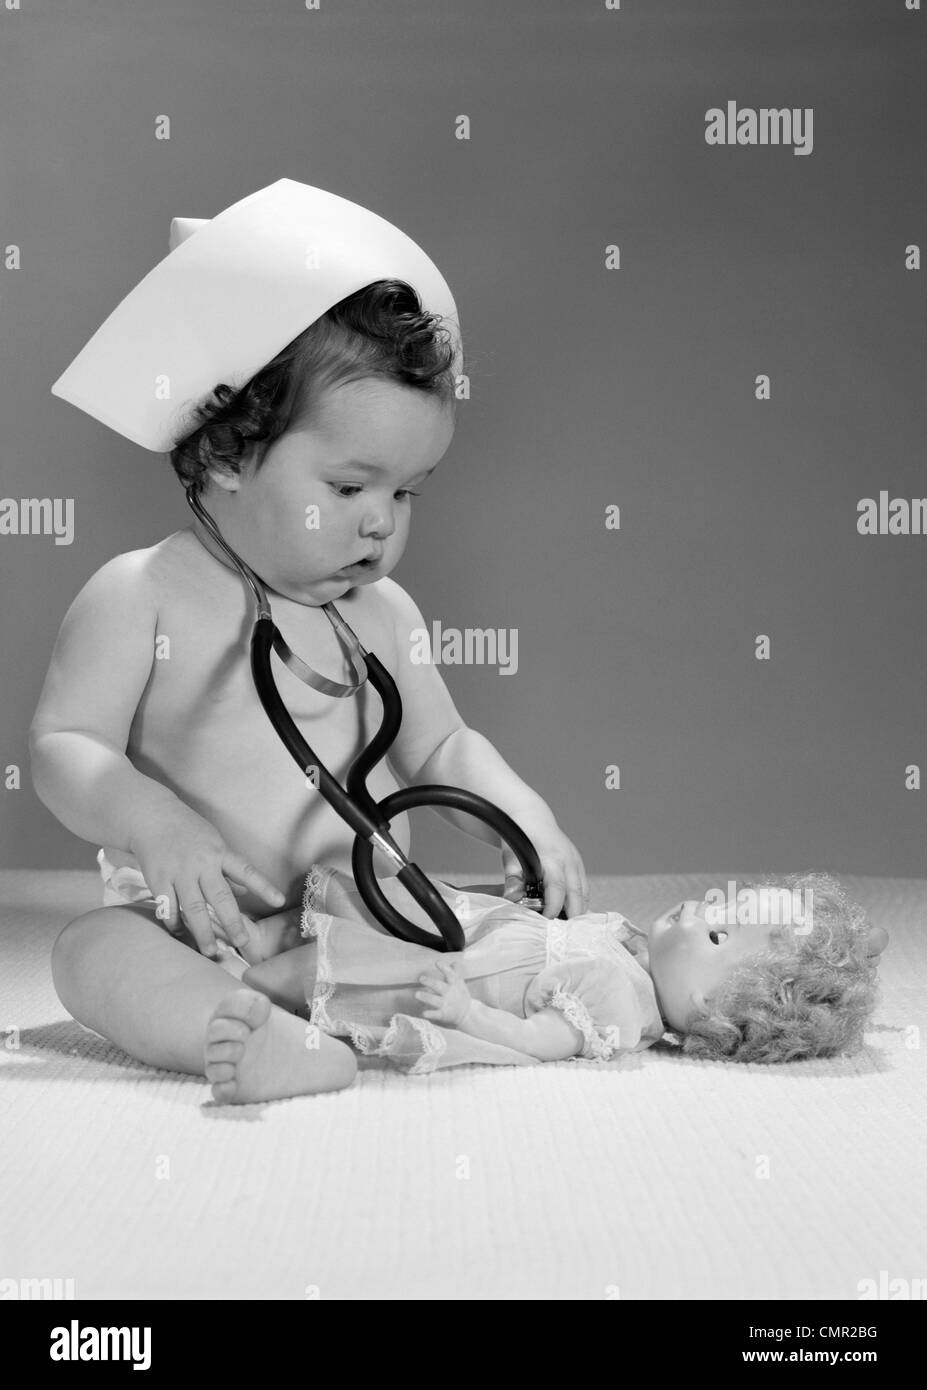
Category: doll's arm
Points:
column 546, row 1035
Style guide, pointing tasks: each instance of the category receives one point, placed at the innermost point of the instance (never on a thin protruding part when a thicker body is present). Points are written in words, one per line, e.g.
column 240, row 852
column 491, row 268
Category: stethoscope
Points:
column 370, row 819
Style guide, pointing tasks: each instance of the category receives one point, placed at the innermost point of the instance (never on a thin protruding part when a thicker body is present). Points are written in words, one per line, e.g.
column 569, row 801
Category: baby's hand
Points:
column 565, row 884
column 189, row 869
column 445, row 993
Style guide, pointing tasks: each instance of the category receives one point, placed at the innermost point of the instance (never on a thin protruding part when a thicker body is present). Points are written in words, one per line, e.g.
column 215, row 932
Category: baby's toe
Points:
column 237, row 1016
column 230, row 1050
column 221, row 1071
column 224, row 1091
column 245, row 1005
column 221, row 1030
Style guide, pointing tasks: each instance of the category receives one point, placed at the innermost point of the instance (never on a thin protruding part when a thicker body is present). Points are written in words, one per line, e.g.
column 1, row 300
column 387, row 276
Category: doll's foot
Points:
column 270, row 936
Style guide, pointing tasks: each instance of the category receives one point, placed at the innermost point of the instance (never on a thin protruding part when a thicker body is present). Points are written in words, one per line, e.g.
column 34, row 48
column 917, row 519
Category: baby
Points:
column 785, row 970
column 149, row 738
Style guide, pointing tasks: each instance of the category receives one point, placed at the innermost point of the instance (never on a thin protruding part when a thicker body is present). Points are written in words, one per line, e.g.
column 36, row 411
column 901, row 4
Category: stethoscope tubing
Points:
column 369, row 819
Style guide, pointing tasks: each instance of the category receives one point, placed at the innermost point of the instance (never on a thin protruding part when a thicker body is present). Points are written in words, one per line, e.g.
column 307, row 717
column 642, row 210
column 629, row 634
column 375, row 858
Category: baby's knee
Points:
column 74, row 958
column 72, row 940
column 69, row 953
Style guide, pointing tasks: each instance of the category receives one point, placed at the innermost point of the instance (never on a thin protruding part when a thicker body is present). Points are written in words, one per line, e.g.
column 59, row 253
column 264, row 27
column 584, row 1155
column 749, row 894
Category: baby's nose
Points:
column 380, row 522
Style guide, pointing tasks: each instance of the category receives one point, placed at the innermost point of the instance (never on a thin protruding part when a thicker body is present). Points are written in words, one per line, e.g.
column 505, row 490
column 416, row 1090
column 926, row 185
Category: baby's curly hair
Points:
column 807, row 996
column 380, row 331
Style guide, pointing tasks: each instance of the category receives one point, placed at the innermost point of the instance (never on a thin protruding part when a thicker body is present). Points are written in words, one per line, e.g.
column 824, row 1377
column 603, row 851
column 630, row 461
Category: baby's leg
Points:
column 120, row 973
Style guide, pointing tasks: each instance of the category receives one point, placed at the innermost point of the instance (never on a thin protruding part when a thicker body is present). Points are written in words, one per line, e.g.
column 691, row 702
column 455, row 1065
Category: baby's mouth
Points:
column 366, row 562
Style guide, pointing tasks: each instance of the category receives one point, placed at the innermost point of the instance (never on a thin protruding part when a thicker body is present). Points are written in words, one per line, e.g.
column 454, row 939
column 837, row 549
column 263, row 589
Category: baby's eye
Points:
column 349, row 489
column 714, row 936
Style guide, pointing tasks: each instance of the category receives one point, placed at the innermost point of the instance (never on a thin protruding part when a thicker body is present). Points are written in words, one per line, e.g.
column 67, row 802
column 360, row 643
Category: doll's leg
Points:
column 288, row 979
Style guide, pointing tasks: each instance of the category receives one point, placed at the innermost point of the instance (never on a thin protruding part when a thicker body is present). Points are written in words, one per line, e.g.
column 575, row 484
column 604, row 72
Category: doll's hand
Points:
column 562, row 869
column 445, row 993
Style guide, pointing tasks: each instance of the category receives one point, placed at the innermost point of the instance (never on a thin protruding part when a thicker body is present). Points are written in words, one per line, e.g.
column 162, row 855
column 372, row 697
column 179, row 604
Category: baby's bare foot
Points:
column 257, row 1052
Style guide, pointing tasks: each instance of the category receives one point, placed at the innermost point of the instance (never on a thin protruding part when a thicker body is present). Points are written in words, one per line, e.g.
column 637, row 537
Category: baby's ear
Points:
column 877, row 942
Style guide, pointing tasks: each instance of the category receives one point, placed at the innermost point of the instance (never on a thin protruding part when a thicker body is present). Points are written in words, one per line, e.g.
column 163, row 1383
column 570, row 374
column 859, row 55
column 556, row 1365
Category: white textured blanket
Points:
column 651, row 1177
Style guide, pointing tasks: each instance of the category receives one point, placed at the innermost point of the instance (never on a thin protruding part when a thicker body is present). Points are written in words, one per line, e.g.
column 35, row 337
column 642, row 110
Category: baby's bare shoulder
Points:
column 392, row 598
column 392, row 609
column 162, row 576
column 168, row 565
column 103, row 654
column 118, row 604
column 386, row 619
column 150, row 569
column 117, row 593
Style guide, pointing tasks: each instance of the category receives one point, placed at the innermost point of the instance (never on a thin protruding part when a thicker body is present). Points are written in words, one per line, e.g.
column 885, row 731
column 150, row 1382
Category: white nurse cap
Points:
column 229, row 295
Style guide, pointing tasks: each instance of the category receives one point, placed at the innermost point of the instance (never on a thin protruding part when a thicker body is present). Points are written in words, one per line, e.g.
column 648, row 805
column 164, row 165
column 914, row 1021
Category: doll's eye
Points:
column 714, row 936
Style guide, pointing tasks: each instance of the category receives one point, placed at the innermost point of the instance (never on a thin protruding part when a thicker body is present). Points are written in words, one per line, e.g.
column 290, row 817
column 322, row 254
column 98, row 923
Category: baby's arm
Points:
column 546, row 1035
column 98, row 670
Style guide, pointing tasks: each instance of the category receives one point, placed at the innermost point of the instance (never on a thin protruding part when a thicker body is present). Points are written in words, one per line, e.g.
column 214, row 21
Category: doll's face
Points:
column 695, row 946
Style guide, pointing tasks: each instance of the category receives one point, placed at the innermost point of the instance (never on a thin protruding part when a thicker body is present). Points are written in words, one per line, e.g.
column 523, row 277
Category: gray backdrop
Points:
column 591, row 386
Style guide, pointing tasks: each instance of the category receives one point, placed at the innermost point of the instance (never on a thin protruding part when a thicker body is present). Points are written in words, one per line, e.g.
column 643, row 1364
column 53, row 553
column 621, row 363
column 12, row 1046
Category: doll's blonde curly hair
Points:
column 806, row 996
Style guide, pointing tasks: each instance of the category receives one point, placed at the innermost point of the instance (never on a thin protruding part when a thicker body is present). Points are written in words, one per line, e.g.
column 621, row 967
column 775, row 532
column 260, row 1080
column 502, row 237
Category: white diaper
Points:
column 122, row 885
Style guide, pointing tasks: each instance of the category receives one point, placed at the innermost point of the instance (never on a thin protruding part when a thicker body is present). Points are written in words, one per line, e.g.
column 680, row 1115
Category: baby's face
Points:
column 348, row 471
column 695, row 946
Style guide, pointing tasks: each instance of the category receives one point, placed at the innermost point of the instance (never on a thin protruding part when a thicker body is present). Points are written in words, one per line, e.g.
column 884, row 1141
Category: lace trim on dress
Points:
column 595, row 1046
column 557, row 937
column 433, row 1042
column 316, row 924
column 576, row 938
column 313, row 897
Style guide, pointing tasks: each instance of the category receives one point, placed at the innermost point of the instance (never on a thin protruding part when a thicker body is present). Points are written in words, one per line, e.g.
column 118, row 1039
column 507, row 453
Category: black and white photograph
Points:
column 546, row 919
